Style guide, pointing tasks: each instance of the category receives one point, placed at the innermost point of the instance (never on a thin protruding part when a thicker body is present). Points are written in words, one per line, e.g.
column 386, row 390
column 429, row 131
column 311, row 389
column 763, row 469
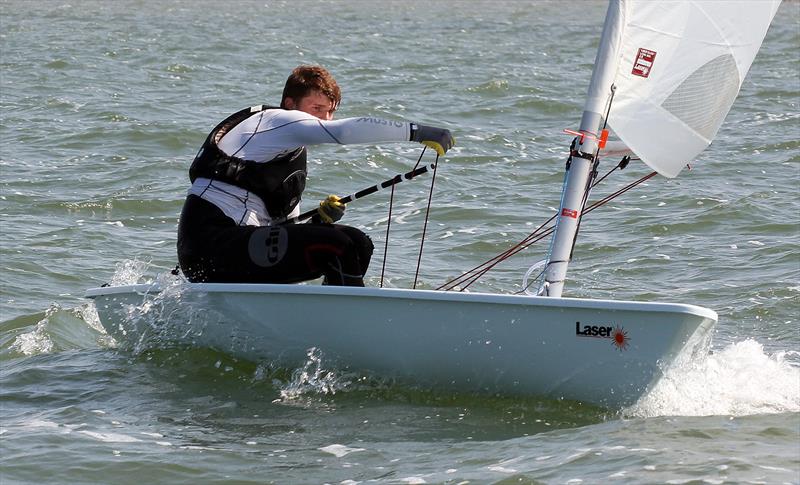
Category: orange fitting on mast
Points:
column 603, row 139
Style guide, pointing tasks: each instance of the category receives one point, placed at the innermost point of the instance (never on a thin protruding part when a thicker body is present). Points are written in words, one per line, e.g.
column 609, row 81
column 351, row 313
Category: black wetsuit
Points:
column 213, row 248
column 247, row 179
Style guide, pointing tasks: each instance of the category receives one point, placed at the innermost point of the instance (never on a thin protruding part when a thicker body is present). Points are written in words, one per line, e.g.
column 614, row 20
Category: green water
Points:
column 105, row 103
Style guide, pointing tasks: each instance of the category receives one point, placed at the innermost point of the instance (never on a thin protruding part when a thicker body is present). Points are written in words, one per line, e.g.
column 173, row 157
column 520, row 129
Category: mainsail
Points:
column 679, row 68
column 670, row 70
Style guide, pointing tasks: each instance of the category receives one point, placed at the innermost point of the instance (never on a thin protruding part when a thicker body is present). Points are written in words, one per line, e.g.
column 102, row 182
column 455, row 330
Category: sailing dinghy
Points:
column 665, row 76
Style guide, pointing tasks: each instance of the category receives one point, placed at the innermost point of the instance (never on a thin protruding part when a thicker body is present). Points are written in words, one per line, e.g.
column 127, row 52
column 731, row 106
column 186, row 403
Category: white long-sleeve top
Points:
column 269, row 133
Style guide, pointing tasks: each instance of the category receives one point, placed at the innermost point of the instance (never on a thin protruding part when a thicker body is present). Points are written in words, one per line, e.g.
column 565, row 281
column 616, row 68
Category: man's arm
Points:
column 269, row 133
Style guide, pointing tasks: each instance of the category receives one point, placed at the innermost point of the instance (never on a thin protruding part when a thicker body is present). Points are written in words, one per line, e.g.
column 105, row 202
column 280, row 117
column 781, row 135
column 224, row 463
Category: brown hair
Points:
column 305, row 79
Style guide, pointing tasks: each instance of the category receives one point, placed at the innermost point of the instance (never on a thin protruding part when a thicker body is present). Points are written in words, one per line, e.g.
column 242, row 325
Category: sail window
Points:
column 703, row 99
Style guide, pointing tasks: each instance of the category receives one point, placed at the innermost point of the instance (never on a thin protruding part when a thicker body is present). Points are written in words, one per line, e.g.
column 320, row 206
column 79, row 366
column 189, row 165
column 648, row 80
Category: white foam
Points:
column 88, row 313
column 34, row 342
column 38, row 340
column 110, row 437
column 312, row 379
column 740, row 380
column 128, row 272
column 339, row 450
column 413, row 480
column 41, row 423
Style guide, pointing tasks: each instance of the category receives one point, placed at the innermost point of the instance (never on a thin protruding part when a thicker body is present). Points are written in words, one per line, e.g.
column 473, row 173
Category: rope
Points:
column 386, row 242
column 468, row 278
column 392, row 182
column 427, row 213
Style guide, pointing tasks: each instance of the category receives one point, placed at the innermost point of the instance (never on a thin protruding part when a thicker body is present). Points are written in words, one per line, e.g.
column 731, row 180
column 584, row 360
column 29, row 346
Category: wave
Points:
column 741, row 379
column 54, row 330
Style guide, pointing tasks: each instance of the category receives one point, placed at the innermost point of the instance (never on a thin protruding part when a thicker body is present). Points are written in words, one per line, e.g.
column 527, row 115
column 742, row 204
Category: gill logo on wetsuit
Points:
column 268, row 245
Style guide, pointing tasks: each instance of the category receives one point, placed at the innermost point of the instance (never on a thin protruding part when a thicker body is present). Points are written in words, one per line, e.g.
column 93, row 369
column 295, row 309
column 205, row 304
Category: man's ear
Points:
column 288, row 103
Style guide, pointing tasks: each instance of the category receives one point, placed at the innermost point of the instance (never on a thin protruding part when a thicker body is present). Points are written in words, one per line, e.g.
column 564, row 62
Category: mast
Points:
column 583, row 155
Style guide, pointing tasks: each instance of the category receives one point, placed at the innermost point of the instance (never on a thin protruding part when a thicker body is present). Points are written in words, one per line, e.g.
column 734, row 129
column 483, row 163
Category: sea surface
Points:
column 104, row 104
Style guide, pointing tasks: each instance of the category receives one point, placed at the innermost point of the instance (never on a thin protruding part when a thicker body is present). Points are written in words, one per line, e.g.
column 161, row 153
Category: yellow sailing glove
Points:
column 439, row 139
column 331, row 210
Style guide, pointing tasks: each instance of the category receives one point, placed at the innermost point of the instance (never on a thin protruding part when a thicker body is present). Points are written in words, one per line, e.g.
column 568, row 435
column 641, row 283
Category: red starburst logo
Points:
column 620, row 338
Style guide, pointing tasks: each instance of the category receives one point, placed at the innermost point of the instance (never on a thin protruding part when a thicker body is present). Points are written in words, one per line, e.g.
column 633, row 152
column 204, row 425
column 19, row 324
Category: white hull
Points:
column 470, row 342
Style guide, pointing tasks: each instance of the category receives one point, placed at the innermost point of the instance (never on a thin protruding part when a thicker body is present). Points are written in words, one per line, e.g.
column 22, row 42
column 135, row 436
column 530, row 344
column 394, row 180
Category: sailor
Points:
column 248, row 179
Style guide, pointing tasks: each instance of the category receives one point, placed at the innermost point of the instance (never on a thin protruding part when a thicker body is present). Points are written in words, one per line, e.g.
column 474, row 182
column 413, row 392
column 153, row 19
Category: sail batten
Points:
column 681, row 65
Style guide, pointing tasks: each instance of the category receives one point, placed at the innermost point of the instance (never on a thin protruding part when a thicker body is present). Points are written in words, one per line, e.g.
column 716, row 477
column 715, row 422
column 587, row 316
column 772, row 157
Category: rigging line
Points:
column 424, row 147
column 474, row 274
column 386, row 242
column 528, row 242
column 619, row 192
column 589, row 186
column 483, row 268
column 389, row 220
column 425, row 225
column 391, row 204
column 515, row 250
column 608, row 107
column 590, row 208
column 531, row 282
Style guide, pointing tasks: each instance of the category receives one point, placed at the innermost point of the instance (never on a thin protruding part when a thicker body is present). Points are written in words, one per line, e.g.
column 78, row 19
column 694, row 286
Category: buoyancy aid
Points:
column 278, row 182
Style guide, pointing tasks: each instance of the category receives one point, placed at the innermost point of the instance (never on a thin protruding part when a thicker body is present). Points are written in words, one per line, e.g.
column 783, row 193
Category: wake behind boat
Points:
column 665, row 76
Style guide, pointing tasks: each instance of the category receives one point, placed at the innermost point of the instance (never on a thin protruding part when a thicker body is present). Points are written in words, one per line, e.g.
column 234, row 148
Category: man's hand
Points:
column 331, row 210
column 439, row 139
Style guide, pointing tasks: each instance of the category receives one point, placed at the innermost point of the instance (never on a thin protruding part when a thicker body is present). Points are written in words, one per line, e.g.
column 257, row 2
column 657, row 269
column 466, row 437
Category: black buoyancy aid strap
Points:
column 210, row 148
column 279, row 182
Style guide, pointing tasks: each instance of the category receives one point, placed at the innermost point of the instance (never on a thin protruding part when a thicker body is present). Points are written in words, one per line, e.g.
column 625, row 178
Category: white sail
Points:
column 675, row 67
column 680, row 66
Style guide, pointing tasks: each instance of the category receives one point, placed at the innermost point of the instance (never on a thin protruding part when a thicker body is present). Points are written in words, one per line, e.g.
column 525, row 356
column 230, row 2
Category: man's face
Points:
column 315, row 104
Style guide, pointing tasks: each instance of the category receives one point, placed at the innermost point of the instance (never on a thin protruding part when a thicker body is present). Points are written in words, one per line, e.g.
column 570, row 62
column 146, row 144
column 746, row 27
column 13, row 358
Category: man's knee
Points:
column 361, row 241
